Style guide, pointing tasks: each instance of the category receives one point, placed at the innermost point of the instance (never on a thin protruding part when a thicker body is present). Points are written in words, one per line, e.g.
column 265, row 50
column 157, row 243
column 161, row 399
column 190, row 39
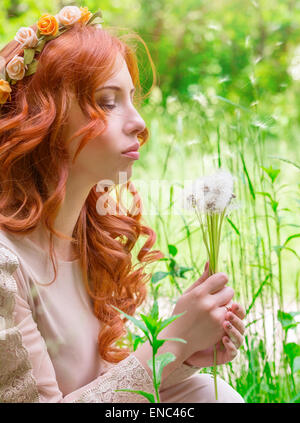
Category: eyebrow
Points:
column 114, row 87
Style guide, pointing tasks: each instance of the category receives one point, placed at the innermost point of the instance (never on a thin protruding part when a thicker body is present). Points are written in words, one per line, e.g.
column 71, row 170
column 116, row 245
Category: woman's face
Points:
column 101, row 158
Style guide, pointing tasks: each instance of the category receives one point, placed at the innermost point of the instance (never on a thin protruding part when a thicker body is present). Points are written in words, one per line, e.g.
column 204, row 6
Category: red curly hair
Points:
column 31, row 144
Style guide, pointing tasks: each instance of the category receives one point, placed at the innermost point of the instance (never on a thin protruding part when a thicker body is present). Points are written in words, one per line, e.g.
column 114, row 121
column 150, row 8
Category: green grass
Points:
column 259, row 247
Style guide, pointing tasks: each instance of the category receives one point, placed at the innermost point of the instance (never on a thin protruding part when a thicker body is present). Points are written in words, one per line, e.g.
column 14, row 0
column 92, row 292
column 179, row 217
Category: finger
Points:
column 239, row 310
column 235, row 321
column 202, row 278
column 229, row 305
column 215, row 283
column 230, row 347
column 233, row 334
column 220, row 346
column 223, row 296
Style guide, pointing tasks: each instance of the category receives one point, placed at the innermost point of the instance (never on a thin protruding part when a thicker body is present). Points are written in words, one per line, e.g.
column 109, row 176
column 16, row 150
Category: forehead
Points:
column 121, row 73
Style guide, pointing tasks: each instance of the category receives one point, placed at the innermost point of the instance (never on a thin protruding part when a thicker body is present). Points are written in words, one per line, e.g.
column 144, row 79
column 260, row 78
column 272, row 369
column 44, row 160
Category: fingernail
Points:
column 206, row 266
column 230, row 316
column 228, row 325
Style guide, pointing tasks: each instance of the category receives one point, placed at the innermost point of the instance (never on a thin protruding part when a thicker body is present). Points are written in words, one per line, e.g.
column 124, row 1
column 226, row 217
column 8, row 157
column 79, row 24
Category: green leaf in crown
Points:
column 28, row 55
column 95, row 18
column 61, row 31
column 97, row 21
column 40, row 45
column 31, row 68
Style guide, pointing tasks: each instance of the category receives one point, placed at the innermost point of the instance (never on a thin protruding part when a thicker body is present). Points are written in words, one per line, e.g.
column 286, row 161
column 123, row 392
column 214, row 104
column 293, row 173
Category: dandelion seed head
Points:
column 209, row 194
column 220, row 189
column 192, row 200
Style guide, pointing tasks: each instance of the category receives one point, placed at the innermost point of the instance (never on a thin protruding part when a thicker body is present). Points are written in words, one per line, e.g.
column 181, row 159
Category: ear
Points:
column 202, row 278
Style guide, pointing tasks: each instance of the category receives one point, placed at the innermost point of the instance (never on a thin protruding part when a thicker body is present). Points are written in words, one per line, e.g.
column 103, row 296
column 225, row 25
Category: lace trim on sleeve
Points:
column 17, row 383
column 128, row 374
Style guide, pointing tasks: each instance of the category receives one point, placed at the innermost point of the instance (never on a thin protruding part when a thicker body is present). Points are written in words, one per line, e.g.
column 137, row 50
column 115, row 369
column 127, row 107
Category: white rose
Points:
column 16, row 68
column 26, row 36
column 69, row 15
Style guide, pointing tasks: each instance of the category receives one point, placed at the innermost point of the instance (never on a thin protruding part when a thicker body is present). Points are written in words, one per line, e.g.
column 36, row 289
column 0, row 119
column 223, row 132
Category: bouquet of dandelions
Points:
column 211, row 199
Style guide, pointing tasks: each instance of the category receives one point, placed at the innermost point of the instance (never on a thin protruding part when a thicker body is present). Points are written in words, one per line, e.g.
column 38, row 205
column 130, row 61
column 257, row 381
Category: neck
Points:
column 66, row 219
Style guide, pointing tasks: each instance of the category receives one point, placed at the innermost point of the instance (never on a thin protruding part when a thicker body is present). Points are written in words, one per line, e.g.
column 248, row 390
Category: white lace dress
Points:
column 48, row 336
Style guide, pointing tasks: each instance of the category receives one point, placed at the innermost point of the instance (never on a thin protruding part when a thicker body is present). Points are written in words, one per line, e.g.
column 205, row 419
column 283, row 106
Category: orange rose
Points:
column 85, row 14
column 47, row 24
column 4, row 91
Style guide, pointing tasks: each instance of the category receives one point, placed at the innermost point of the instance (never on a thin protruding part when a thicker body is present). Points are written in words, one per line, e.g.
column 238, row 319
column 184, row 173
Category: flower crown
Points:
column 49, row 27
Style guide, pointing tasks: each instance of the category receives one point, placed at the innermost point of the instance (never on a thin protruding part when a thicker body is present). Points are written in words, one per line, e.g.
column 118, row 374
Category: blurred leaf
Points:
column 137, row 340
column 296, row 364
column 292, row 251
column 150, row 323
column 232, row 103
column 172, row 250
column 157, row 276
column 234, row 227
column 292, row 350
column 154, row 310
column 252, row 192
column 176, row 339
column 169, row 320
column 287, row 319
column 161, row 361
column 272, row 173
column 183, row 270
column 289, row 238
column 257, row 293
column 157, row 343
column 138, row 323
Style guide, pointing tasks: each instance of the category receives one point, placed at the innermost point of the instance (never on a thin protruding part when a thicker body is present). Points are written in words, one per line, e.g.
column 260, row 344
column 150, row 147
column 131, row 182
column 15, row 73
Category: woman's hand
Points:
column 202, row 305
column 228, row 347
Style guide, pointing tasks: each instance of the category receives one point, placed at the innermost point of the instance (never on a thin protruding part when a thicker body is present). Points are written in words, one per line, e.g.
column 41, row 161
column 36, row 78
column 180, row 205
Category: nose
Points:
column 135, row 124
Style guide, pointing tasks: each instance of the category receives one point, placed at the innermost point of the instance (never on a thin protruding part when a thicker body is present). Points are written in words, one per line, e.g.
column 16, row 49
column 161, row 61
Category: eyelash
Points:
column 107, row 106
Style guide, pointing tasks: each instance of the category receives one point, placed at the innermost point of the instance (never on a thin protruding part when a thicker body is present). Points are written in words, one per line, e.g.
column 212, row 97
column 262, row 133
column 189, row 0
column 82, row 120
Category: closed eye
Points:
column 107, row 106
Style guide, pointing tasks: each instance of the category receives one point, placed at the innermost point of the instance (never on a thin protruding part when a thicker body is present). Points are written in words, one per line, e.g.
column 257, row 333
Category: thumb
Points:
column 202, row 278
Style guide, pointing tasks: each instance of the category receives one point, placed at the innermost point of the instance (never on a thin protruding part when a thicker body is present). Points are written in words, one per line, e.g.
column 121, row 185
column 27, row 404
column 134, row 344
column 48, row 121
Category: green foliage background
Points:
column 228, row 93
column 209, row 42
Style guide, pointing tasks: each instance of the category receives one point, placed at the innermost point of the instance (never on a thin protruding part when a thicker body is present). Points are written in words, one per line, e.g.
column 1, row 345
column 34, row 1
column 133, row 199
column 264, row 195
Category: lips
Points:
column 134, row 147
column 132, row 154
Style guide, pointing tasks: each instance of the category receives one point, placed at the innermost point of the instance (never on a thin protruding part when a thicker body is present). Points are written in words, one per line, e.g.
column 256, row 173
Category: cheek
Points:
column 100, row 156
column 104, row 146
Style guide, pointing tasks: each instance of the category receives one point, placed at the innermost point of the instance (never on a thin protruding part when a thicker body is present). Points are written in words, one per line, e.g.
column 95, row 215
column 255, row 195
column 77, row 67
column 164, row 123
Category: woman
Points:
column 63, row 141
